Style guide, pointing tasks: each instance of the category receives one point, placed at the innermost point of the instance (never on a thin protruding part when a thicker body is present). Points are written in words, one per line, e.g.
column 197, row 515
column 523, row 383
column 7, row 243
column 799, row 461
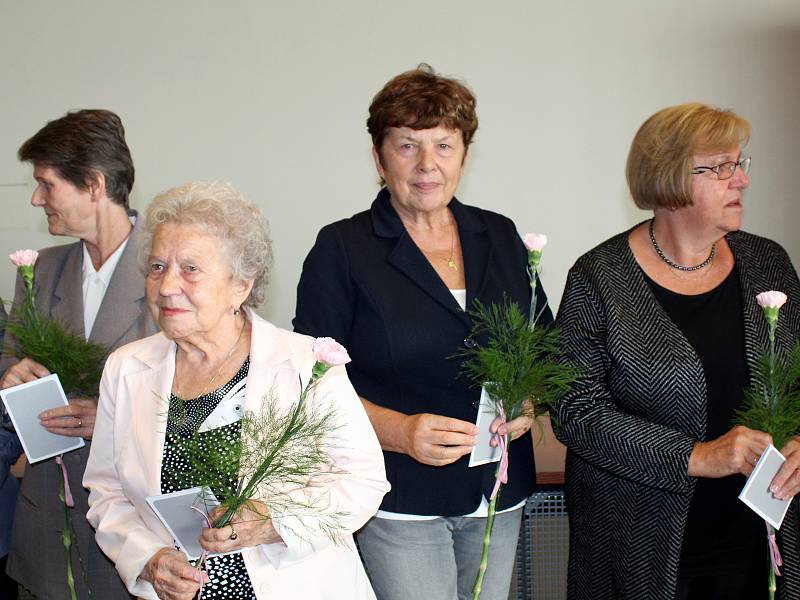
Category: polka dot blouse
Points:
column 228, row 578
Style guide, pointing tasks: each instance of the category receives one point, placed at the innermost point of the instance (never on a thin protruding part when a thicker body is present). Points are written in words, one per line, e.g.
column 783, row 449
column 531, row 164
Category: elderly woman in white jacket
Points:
column 207, row 256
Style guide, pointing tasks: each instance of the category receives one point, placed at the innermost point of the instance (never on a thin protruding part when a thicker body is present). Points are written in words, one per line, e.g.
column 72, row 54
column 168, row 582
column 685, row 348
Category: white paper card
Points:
column 483, row 452
column 23, row 403
column 182, row 521
column 756, row 494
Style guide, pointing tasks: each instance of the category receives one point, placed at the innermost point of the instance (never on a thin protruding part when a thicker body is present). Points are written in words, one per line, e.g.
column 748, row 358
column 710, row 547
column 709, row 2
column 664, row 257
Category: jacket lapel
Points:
column 67, row 306
column 407, row 258
column 270, row 366
column 476, row 249
column 150, row 390
column 752, row 283
column 124, row 300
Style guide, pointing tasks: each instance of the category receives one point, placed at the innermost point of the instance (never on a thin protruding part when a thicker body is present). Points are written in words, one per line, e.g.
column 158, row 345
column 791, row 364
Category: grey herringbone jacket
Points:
column 631, row 422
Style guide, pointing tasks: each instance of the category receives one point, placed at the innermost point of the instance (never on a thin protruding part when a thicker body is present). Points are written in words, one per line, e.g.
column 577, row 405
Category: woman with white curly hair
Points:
column 207, row 255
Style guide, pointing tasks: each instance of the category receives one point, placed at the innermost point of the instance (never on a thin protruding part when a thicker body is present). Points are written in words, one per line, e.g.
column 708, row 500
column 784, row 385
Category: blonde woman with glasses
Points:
column 664, row 320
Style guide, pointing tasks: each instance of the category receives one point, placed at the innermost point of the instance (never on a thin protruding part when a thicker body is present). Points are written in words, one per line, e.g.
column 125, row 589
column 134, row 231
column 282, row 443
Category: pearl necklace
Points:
column 675, row 265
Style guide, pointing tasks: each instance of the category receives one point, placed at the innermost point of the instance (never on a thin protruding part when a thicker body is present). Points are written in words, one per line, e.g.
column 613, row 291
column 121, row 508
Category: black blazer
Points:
column 368, row 285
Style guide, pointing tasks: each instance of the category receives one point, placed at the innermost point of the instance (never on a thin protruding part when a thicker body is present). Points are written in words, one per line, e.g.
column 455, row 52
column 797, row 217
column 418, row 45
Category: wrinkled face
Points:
column 70, row 211
column 422, row 168
column 190, row 289
column 718, row 203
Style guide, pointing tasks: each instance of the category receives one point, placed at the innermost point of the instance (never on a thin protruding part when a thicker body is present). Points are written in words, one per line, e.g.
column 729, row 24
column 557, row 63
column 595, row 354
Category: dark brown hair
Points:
column 80, row 143
column 421, row 99
column 660, row 159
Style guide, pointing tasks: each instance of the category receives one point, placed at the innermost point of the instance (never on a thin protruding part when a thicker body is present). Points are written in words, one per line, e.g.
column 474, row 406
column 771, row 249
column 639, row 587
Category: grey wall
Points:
column 273, row 97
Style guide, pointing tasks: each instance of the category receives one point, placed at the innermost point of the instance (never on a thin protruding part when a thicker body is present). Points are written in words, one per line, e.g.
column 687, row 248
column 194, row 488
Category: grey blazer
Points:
column 36, row 557
column 631, row 423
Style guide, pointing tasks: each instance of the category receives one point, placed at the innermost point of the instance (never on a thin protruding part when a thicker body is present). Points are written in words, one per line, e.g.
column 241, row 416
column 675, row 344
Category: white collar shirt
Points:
column 95, row 284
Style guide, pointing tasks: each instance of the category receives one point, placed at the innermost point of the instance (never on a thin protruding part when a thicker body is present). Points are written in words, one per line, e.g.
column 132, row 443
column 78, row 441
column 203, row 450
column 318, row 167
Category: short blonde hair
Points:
column 221, row 210
column 660, row 159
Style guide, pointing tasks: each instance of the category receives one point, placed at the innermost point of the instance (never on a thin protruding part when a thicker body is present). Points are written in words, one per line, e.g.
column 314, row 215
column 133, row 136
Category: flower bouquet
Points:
column 78, row 363
column 276, row 450
column 772, row 404
column 519, row 367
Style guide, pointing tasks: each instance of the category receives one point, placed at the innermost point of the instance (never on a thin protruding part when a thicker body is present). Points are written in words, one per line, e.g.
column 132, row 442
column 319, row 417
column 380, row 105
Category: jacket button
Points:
column 469, row 343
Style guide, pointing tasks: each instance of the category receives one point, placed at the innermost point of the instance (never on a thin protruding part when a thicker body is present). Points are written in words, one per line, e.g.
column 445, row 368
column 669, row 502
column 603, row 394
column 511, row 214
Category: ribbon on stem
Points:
column 774, row 552
column 68, row 499
column 502, row 468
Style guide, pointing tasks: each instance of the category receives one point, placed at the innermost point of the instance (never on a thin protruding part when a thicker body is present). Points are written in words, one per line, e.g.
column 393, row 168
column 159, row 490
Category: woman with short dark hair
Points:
column 84, row 175
column 392, row 283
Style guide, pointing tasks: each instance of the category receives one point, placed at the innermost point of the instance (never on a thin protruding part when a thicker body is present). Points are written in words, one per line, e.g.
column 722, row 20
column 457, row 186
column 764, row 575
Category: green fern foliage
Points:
column 519, row 365
column 276, row 449
column 78, row 362
column 772, row 404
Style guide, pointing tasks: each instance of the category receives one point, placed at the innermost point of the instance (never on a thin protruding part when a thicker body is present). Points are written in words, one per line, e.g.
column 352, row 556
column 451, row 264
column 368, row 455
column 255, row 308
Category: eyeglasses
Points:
column 727, row 169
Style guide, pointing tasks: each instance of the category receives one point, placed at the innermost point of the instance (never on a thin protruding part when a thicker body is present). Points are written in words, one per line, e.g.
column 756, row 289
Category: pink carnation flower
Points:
column 24, row 258
column 771, row 299
column 534, row 242
column 330, row 352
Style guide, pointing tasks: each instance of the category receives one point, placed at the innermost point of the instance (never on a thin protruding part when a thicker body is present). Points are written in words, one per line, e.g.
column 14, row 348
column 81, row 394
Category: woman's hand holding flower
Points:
column 75, row 420
column 172, row 576
column 737, row 451
column 24, row 371
column 251, row 524
column 514, row 428
column 786, row 483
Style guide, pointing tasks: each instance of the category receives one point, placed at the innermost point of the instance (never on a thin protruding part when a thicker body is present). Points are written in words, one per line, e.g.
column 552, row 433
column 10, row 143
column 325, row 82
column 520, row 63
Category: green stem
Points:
column 487, row 536
column 772, row 583
column 66, row 538
column 772, row 391
column 532, row 310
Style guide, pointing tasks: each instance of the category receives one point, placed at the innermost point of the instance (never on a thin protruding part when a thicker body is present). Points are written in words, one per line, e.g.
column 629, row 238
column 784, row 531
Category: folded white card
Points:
column 178, row 512
column 483, row 452
column 756, row 494
column 24, row 403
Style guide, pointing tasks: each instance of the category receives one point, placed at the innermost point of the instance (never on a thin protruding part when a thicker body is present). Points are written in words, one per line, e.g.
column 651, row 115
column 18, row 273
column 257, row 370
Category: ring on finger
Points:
column 80, row 421
column 233, row 535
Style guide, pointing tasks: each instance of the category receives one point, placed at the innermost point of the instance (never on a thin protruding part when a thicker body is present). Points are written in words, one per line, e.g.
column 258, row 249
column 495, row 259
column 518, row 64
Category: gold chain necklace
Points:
column 224, row 362
column 450, row 260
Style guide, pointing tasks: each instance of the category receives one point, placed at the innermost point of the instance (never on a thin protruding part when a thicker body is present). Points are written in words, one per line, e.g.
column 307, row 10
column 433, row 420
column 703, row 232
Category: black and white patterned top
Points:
column 228, row 578
column 631, row 422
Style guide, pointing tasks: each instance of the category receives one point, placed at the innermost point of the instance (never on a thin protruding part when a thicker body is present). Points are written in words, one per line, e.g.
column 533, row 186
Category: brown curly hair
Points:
column 421, row 99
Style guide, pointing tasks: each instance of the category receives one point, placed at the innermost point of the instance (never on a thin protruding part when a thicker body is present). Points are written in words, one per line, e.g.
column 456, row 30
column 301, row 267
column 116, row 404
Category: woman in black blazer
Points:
column 391, row 284
column 664, row 319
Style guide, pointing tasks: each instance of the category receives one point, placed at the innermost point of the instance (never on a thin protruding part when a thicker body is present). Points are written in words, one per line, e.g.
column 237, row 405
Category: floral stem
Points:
column 772, row 391
column 487, row 537
column 66, row 538
column 772, row 586
column 532, row 311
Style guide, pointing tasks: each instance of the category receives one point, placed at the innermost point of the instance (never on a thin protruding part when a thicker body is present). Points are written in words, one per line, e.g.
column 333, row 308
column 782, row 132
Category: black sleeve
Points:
column 325, row 293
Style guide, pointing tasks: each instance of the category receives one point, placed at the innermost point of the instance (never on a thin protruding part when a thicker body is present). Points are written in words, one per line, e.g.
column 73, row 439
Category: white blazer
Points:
column 125, row 467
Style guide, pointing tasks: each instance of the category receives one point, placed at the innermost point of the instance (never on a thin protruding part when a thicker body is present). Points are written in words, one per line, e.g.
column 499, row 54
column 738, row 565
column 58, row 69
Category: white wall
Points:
column 273, row 97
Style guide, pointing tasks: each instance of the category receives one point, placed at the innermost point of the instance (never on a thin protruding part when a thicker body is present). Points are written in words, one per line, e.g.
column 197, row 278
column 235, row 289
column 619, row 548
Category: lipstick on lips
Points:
column 426, row 186
column 168, row 311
